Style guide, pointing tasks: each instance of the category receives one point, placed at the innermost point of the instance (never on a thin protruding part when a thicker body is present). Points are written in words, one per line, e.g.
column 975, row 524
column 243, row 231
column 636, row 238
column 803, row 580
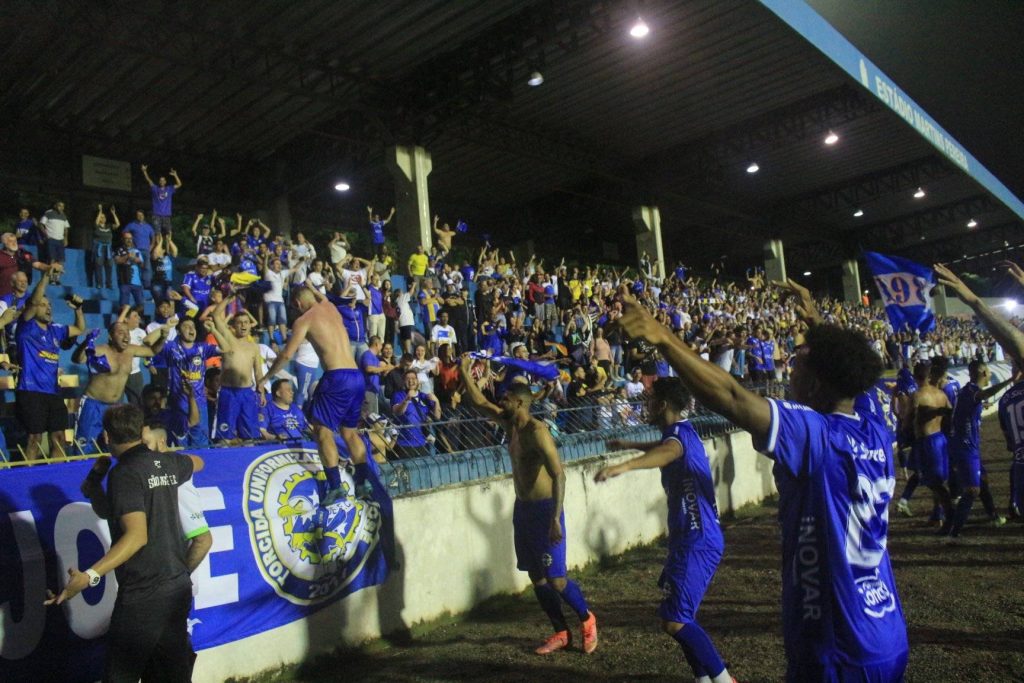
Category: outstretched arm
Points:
column 391, row 215
column 1008, row 336
column 298, row 336
column 473, row 395
column 39, row 293
column 658, row 456
column 177, row 180
column 221, row 331
column 145, row 174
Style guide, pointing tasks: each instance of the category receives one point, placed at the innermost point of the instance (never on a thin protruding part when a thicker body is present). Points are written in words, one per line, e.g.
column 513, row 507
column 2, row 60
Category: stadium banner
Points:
column 269, row 565
column 906, row 288
column 831, row 43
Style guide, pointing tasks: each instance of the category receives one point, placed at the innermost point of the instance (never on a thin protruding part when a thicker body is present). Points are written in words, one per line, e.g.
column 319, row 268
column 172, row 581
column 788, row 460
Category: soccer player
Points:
column 695, row 541
column 109, row 366
column 38, row 405
column 842, row 618
column 238, row 405
column 538, row 520
column 1011, row 419
column 965, row 446
column 185, row 359
column 931, row 407
column 339, row 393
column 905, row 406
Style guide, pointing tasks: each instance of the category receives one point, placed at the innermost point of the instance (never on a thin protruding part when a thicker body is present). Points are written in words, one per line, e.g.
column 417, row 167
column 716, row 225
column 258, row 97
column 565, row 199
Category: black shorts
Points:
column 405, row 332
column 40, row 413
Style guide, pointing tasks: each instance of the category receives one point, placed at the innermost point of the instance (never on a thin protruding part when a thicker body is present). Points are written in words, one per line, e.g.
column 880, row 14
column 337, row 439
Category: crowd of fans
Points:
column 408, row 337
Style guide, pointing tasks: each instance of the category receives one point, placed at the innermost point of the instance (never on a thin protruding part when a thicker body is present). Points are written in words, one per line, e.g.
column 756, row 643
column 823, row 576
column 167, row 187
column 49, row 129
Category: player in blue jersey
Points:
column 1006, row 335
column 965, row 446
column 842, row 618
column 185, row 359
column 39, row 405
column 695, row 542
column 1011, row 419
column 951, row 388
column 537, row 520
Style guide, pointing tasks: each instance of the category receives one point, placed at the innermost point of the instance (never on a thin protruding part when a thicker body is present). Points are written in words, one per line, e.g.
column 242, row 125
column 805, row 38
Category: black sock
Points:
column 551, row 602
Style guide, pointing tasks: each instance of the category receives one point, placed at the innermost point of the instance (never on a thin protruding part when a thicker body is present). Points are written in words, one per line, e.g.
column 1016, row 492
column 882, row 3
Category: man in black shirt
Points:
column 148, row 636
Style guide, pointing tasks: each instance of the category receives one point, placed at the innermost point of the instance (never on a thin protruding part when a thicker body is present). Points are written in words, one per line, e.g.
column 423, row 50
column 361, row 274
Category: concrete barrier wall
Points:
column 456, row 550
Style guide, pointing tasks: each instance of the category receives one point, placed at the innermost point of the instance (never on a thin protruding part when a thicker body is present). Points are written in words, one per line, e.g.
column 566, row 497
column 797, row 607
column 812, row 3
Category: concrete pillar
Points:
column 410, row 167
column 281, row 215
column 939, row 300
column 851, row 281
column 647, row 224
column 774, row 260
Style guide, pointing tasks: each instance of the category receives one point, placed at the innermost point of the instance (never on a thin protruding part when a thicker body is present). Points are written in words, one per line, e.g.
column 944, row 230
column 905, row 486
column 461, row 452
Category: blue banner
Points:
column 277, row 556
column 813, row 27
column 545, row 370
column 905, row 287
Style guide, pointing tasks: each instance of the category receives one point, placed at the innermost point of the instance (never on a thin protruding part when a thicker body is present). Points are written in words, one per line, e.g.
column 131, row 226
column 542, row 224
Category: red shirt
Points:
column 11, row 264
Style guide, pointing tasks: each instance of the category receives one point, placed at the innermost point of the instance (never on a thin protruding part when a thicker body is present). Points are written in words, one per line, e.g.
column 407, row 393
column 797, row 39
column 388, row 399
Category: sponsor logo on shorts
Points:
column 305, row 553
column 546, row 559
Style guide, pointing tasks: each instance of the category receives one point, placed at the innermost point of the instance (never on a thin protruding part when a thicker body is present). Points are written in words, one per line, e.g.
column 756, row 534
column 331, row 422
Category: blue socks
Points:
column 550, row 602
column 333, row 477
column 697, row 644
column 573, row 597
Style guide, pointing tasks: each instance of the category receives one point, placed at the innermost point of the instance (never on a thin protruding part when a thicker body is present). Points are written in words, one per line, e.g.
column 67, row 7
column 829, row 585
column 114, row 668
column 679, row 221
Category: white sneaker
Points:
column 998, row 521
column 903, row 507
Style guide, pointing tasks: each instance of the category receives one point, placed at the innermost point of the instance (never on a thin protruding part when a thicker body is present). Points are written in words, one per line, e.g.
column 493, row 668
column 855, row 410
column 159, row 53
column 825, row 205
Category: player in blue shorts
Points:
column 965, row 447
column 537, row 519
column 338, row 398
column 695, row 542
column 1011, row 419
column 842, row 617
column 905, row 391
column 931, row 410
column 240, row 398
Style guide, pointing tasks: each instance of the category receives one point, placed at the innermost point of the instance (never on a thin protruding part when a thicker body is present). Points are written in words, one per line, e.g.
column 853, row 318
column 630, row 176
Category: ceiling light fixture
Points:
column 640, row 29
column 342, row 187
column 753, row 168
column 858, row 213
column 535, row 79
column 972, row 223
column 919, row 194
column 807, row 273
column 831, row 138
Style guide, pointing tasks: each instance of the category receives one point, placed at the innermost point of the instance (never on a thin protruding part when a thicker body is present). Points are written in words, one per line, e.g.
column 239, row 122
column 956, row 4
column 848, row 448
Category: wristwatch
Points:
column 94, row 577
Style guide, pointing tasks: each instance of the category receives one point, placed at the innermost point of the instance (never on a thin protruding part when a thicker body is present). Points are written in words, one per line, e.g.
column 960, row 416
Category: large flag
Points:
column 543, row 369
column 905, row 287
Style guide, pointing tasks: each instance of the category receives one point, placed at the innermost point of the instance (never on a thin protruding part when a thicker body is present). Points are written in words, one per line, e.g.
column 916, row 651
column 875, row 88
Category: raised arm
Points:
column 299, row 331
column 39, row 293
column 712, row 386
column 657, row 455
column 1008, row 336
column 391, row 215
column 99, row 214
column 473, row 395
column 145, row 174
column 195, row 223
column 221, row 331
column 177, row 179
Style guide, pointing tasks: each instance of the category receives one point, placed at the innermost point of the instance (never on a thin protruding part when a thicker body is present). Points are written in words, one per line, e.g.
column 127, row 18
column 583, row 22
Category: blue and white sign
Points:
column 905, row 287
column 277, row 557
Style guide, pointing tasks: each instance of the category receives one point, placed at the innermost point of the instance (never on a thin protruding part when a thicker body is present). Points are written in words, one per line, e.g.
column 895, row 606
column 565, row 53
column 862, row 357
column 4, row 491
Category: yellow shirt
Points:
column 576, row 288
column 418, row 264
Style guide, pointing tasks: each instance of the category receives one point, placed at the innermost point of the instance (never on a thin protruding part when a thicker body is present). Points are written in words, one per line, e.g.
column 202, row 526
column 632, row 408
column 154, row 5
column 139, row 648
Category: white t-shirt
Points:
column 306, row 356
column 218, row 261
column 137, row 336
column 56, row 224
column 276, row 292
column 423, row 369
column 405, row 315
column 338, row 253
column 172, row 334
column 318, row 281
column 634, row 389
column 357, row 276
column 443, row 334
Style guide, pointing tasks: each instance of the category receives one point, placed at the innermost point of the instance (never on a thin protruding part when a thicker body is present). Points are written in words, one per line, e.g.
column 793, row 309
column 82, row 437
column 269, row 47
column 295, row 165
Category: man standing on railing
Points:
column 694, row 537
column 538, row 520
column 842, row 618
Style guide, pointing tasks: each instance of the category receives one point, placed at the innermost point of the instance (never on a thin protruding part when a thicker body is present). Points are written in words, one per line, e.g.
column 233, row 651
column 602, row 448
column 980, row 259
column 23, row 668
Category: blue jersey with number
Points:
column 1011, row 419
column 876, row 403
column 289, row 422
column 186, row 365
column 692, row 511
column 835, row 477
column 39, row 355
column 966, row 422
column 377, row 232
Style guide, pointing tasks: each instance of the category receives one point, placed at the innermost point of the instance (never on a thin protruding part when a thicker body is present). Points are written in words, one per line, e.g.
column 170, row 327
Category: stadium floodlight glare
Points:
column 858, row 213
column 831, row 138
column 807, row 273
column 640, row 29
column 1010, row 304
column 535, row 79
column 342, row 187
column 919, row 194
column 972, row 223
column 753, row 168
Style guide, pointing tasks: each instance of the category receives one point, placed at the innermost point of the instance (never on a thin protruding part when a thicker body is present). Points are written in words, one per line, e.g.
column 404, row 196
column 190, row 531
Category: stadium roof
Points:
column 259, row 99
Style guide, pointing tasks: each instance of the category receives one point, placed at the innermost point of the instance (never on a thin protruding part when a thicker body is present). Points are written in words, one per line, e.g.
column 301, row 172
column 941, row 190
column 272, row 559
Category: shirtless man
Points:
column 109, row 366
column 931, row 407
column 339, row 394
column 538, row 520
column 238, row 405
column 444, row 236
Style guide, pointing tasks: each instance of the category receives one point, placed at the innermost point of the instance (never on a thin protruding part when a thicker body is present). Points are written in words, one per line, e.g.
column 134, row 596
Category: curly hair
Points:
column 843, row 359
column 672, row 391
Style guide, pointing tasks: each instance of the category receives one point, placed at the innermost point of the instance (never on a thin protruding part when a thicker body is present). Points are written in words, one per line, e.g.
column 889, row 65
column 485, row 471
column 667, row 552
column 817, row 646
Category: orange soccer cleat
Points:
column 558, row 641
column 590, row 634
